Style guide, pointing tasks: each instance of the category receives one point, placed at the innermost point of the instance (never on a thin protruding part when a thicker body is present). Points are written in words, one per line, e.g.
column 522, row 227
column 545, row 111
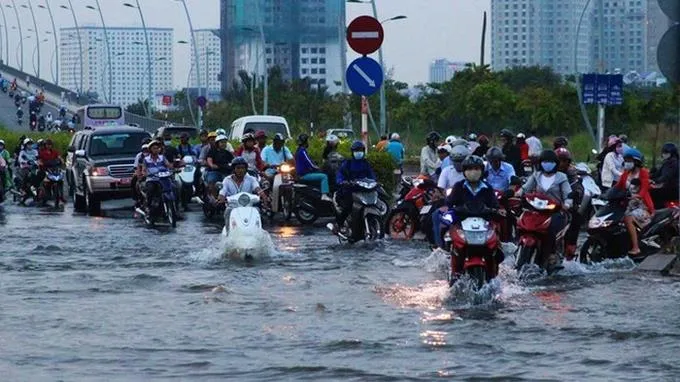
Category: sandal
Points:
column 634, row 254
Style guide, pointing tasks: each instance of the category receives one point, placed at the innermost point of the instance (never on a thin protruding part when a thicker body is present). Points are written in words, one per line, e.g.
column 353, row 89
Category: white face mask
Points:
column 358, row 155
column 628, row 165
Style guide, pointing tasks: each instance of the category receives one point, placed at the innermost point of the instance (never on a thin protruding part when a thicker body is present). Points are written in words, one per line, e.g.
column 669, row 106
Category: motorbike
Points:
column 52, row 186
column 413, row 205
column 185, row 177
column 208, row 201
column 41, row 126
column 244, row 218
column 591, row 202
column 307, row 204
column 20, row 120
column 280, row 192
column 33, row 125
column 533, row 227
column 3, row 173
column 476, row 243
column 365, row 222
column 512, row 207
column 163, row 204
column 608, row 236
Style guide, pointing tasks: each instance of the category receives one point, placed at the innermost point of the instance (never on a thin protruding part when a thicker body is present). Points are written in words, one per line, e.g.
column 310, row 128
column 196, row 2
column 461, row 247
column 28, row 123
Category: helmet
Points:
column 495, row 153
column 563, row 153
column 668, row 148
column 395, row 137
column 245, row 137
column 521, row 136
column 483, row 140
column 358, row 146
column 450, row 139
column 560, row 142
column 332, row 138
column 40, row 141
column 473, row 161
column 459, row 142
column 302, row 139
column 145, row 146
column 613, row 141
column 155, row 143
column 239, row 161
column 624, row 138
column 212, row 134
column 260, row 134
column 472, row 137
column 279, row 138
column 2, row 142
column 433, row 137
column 221, row 138
column 444, row 147
column 146, row 140
column 458, row 153
column 548, row 156
column 635, row 154
column 505, row 133
column 220, row 132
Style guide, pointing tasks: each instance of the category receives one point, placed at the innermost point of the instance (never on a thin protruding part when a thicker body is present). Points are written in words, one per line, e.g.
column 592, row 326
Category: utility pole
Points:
column 601, row 115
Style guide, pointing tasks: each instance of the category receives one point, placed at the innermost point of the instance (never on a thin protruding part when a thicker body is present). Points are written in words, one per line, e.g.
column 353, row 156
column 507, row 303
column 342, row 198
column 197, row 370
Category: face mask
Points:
column 473, row 175
column 548, row 166
column 358, row 155
column 167, row 143
column 664, row 155
column 619, row 150
column 629, row 165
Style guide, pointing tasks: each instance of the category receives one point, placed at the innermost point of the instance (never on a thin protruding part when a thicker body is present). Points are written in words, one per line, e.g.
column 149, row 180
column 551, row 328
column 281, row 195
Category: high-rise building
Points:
column 442, row 70
column 209, row 49
column 129, row 62
column 539, row 32
column 304, row 38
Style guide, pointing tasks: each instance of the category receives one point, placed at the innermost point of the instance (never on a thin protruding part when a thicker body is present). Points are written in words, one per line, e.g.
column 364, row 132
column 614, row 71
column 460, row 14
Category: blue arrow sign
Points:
column 589, row 83
column 364, row 76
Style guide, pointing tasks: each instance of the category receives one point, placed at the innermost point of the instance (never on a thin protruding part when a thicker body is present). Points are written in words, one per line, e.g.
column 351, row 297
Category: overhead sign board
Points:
column 603, row 89
column 365, row 35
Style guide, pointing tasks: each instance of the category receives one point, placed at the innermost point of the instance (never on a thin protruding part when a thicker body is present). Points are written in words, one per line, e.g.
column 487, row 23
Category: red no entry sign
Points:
column 365, row 34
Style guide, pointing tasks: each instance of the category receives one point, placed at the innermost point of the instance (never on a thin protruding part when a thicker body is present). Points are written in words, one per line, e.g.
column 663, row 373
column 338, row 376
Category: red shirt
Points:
column 524, row 151
column 47, row 155
column 644, row 187
column 248, row 155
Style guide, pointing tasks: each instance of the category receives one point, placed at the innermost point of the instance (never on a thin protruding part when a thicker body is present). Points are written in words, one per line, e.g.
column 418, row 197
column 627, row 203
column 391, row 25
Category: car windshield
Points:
column 116, row 144
column 271, row 128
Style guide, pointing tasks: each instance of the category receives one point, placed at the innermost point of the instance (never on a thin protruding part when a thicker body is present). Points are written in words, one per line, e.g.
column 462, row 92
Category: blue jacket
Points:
column 353, row 169
column 396, row 150
column 303, row 164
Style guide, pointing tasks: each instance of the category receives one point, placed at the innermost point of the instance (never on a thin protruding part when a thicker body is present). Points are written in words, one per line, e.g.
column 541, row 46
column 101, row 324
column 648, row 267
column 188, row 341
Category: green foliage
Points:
column 61, row 141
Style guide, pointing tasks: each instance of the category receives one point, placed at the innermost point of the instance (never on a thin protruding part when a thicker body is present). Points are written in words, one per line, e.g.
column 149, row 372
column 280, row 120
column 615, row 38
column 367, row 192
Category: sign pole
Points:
column 600, row 125
column 364, row 120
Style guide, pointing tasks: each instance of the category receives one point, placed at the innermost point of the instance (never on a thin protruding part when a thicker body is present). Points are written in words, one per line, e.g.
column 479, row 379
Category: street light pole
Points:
column 4, row 21
column 260, row 19
column 148, row 50
column 21, row 35
column 108, row 46
column 198, row 67
column 579, row 91
column 54, row 34
column 37, row 36
column 80, row 42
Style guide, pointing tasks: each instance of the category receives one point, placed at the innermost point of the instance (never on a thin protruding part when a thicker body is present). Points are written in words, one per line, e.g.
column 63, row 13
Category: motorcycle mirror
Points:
column 80, row 153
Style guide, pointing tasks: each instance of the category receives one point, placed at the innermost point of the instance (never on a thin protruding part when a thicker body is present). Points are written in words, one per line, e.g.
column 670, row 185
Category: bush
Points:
column 61, row 140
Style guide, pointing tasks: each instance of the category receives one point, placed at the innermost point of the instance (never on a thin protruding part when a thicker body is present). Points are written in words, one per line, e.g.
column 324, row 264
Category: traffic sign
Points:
column 589, row 83
column 167, row 100
column 201, row 101
column 364, row 76
column 616, row 89
column 365, row 34
column 668, row 54
column 603, row 89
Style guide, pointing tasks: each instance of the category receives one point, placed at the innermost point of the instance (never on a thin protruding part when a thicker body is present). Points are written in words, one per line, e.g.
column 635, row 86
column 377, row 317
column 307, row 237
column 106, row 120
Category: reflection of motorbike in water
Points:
column 245, row 238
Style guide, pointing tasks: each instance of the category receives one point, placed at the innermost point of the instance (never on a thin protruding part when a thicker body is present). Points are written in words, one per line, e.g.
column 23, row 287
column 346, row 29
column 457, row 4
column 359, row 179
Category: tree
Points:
column 541, row 107
column 491, row 103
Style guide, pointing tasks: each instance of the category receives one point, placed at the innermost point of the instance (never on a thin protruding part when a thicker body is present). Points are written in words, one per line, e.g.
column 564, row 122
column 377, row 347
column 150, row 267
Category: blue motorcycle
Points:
column 163, row 205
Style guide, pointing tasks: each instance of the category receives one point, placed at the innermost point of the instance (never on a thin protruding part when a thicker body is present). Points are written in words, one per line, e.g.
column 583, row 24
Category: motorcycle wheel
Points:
column 170, row 212
column 400, row 224
column 306, row 217
column 478, row 275
column 208, row 211
column 524, row 256
column 592, row 251
column 375, row 228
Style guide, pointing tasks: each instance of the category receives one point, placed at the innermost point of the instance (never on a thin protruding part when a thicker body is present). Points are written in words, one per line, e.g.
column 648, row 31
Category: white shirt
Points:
column 546, row 181
column 611, row 169
column 429, row 161
column 449, row 177
column 535, row 146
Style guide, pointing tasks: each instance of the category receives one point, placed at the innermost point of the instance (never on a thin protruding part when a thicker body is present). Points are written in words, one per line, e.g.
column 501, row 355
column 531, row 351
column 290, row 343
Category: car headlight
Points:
column 244, row 200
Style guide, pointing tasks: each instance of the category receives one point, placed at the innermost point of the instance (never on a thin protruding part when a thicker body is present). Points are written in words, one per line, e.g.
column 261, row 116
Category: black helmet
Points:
column 279, row 138
column 358, row 146
column 239, row 161
column 670, row 148
column 548, row 156
column 473, row 161
column 302, row 139
column 505, row 133
column 560, row 142
column 495, row 153
column 433, row 137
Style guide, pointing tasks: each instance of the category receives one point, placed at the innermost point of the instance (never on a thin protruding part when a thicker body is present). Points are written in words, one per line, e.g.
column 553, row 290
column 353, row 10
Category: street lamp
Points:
column 54, row 33
column 21, row 45
column 108, row 47
column 21, row 35
column 148, row 48
column 579, row 91
column 4, row 21
column 195, row 46
column 80, row 42
column 265, row 106
column 35, row 50
column 37, row 38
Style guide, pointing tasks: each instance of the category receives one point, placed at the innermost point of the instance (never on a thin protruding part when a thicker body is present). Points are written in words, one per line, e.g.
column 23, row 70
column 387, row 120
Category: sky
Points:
column 433, row 29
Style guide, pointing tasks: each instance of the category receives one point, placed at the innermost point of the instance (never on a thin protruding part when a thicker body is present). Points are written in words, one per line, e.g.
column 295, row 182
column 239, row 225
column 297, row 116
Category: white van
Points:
column 270, row 124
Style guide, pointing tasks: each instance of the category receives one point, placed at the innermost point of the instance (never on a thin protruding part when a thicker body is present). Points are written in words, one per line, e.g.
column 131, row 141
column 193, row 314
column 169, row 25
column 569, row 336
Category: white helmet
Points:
column 521, row 136
column 395, row 137
column 27, row 141
column 2, row 142
column 444, row 147
column 220, row 132
column 221, row 137
column 332, row 138
column 145, row 146
column 472, row 137
column 459, row 153
column 450, row 139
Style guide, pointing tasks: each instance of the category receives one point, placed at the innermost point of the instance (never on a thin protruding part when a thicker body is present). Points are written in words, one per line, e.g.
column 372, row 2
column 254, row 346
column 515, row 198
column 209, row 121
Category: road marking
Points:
column 363, row 74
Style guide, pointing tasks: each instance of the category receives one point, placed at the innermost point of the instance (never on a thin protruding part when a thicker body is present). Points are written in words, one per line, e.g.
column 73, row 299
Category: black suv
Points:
column 100, row 165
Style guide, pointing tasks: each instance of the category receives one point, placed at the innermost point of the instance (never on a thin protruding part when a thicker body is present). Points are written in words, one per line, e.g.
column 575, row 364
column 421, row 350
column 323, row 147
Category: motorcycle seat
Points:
column 661, row 214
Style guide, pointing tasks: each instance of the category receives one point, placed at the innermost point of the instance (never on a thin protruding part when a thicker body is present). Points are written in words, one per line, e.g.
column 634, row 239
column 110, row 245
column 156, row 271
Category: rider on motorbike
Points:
column 499, row 173
column 640, row 206
column 217, row 162
column 20, row 113
column 428, row 155
column 454, row 173
column 184, row 148
column 665, row 187
column 250, row 152
column 554, row 184
column 276, row 154
column 5, row 174
column 307, row 170
column 48, row 118
column 209, row 145
column 28, row 161
column 260, row 139
column 239, row 181
column 565, row 166
column 471, row 194
column 150, row 165
column 62, row 111
column 443, row 153
column 511, row 151
column 482, row 147
column 139, row 158
column 355, row 168
column 48, row 158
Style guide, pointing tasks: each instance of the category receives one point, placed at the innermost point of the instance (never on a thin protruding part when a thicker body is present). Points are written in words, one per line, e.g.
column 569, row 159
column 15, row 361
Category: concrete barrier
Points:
column 664, row 263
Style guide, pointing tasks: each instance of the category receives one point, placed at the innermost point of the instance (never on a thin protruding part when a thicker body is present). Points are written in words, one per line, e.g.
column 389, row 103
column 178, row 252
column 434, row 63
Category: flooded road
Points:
column 107, row 299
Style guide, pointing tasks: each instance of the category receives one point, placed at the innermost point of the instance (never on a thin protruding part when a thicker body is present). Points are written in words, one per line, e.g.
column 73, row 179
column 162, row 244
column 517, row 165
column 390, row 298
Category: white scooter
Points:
column 245, row 238
column 591, row 202
column 185, row 178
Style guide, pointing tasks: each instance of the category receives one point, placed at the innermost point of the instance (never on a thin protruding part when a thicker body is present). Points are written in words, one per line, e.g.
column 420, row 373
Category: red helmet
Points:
column 563, row 153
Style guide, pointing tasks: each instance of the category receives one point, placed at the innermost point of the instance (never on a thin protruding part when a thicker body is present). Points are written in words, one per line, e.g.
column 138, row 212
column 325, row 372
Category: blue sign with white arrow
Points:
column 364, row 76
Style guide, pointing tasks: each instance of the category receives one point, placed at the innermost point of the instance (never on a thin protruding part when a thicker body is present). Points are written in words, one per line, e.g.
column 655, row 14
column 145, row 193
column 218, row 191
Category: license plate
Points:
column 425, row 210
column 125, row 181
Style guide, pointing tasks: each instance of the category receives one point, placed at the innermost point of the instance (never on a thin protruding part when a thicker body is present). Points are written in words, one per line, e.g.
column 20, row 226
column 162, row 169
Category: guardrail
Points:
column 54, row 94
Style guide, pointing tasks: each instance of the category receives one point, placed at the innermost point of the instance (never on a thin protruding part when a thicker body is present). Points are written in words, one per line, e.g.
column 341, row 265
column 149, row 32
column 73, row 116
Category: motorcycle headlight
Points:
column 285, row 168
column 599, row 223
column 475, row 237
column 244, row 200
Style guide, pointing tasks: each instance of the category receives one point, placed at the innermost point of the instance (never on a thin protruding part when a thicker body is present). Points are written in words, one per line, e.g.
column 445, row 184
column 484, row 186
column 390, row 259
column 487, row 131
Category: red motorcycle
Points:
column 513, row 208
column 414, row 203
column 476, row 249
column 534, row 230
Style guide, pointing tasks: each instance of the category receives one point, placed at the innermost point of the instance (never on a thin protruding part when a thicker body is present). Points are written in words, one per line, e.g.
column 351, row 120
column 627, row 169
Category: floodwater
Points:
column 105, row 299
